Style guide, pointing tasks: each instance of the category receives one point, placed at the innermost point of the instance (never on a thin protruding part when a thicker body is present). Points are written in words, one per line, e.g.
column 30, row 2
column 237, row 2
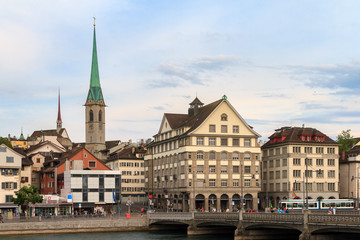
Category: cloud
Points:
column 341, row 78
column 178, row 74
column 318, row 106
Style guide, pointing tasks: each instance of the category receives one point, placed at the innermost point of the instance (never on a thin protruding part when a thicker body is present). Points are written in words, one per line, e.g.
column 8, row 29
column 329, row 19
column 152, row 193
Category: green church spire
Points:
column 95, row 92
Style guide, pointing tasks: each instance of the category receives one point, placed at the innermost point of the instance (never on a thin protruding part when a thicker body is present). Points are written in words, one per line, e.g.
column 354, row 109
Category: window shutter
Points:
column 15, row 185
column 3, row 185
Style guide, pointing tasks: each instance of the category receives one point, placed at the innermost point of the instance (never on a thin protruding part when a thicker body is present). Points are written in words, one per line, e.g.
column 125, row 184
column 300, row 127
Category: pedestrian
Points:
column 334, row 211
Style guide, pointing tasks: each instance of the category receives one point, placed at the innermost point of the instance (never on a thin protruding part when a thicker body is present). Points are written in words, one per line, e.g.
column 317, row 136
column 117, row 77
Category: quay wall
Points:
column 88, row 225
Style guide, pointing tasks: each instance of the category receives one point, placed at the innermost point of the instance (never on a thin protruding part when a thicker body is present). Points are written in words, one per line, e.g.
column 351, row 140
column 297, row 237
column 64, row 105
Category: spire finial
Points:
column 94, row 20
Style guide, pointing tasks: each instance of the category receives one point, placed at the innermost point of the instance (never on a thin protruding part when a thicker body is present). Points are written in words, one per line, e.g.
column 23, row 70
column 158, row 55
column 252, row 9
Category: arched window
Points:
column 212, row 155
column 223, row 155
column 91, row 116
column 100, row 116
column 224, row 117
column 235, row 156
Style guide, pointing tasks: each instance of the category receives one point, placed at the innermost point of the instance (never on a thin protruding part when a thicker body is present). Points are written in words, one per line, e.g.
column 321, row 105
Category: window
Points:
column 223, row 169
column 2, row 149
column 265, row 175
column 277, row 174
column 320, row 162
column 189, row 155
column 319, row 150
column 9, row 185
column 277, row 151
column 236, row 142
column 247, row 169
column 223, row 182
column 235, row 156
column 284, row 150
column 200, row 169
column 331, row 162
column 284, row 187
column 189, row 169
column 331, row 150
column 224, row 117
column 235, row 169
column 308, row 161
column 308, row 149
column 320, row 187
column 9, row 159
column 38, row 160
column 235, row 129
column 271, row 163
column 320, row 174
column 247, row 142
column 331, row 187
column 277, row 163
column 91, row 116
column 224, row 128
column 296, row 173
column 308, row 186
column 296, row 161
column 200, row 155
column 212, row 155
column 92, row 164
column 212, row 169
column 297, row 186
column 331, row 173
column 246, row 156
column 200, row 141
column 8, row 198
column 296, row 149
column 100, row 118
column 223, row 155
column 247, row 182
column 211, row 182
column 271, row 174
column 235, row 183
column 278, row 187
column 284, row 162
column 212, row 141
column 224, row 142
column 212, row 128
column 308, row 173
column 284, row 173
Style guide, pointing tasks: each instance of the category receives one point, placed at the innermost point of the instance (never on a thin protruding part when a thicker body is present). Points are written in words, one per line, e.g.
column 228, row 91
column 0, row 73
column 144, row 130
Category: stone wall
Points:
column 74, row 226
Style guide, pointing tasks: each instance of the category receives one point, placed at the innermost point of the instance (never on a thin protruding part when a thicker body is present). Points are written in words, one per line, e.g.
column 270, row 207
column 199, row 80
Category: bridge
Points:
column 250, row 226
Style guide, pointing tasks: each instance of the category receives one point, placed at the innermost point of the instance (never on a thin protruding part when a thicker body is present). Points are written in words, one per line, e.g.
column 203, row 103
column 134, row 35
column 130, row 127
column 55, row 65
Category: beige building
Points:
column 206, row 159
column 130, row 162
column 294, row 154
column 10, row 164
column 350, row 174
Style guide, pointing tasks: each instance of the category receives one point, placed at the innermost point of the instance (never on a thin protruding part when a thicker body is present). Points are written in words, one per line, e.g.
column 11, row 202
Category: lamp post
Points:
column 242, row 188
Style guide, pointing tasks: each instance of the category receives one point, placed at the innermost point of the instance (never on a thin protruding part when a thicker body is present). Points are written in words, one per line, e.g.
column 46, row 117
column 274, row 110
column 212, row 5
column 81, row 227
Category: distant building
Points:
column 20, row 142
column 208, row 158
column 291, row 155
column 350, row 173
column 10, row 167
column 130, row 162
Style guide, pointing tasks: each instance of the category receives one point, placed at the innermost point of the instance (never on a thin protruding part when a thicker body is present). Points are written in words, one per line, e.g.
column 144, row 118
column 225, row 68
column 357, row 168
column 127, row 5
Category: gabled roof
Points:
column 49, row 132
column 17, row 150
column 40, row 144
column 293, row 135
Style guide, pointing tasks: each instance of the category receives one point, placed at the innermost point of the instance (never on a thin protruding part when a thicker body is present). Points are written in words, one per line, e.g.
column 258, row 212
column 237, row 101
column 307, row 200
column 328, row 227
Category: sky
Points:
column 280, row 63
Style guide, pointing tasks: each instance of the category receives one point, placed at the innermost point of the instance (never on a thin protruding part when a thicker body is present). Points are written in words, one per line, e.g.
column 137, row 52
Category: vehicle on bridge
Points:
column 324, row 204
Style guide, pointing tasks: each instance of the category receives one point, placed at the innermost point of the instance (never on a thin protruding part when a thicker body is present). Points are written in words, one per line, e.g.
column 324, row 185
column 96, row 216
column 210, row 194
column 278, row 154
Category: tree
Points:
column 345, row 140
column 27, row 195
column 5, row 141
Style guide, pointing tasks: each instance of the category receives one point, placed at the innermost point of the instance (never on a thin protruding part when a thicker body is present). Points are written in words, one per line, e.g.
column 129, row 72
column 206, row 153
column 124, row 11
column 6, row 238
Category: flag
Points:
column 293, row 193
column 114, row 198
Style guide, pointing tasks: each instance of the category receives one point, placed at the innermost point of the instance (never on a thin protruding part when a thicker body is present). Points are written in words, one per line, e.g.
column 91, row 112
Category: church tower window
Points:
column 100, row 116
column 91, row 116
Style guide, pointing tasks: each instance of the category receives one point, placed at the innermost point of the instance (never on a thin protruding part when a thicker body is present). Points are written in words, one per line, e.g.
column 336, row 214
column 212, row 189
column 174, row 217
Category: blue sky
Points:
column 280, row 63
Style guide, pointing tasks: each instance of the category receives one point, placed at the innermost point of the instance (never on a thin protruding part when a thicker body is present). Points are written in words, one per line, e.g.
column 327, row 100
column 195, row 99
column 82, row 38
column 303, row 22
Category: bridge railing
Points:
column 268, row 217
column 170, row 216
column 216, row 216
column 334, row 219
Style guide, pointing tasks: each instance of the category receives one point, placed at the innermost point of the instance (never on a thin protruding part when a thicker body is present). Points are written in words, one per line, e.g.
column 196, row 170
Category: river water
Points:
column 118, row 236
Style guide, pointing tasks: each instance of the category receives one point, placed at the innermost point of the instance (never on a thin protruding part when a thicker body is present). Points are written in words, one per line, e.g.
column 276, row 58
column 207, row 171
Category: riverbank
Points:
column 75, row 226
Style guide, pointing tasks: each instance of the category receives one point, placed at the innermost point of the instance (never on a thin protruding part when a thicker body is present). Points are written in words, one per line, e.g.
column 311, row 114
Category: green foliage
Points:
column 345, row 140
column 5, row 141
column 27, row 195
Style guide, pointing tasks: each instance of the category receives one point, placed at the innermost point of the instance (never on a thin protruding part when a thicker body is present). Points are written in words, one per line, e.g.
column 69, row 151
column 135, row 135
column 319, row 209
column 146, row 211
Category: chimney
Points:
column 343, row 155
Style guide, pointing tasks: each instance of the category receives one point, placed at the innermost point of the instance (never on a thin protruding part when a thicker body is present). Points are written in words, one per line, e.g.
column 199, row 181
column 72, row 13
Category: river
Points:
column 118, row 236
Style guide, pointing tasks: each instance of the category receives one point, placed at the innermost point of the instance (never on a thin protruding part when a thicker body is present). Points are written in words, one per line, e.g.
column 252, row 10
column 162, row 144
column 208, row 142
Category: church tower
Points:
column 58, row 121
column 95, row 110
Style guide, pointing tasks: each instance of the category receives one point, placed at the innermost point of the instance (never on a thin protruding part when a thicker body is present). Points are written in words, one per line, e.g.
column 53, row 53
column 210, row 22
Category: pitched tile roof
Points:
column 292, row 135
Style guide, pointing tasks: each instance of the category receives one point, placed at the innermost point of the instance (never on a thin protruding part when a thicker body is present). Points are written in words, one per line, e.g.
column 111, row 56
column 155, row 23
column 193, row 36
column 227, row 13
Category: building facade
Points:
column 299, row 161
column 207, row 159
column 130, row 162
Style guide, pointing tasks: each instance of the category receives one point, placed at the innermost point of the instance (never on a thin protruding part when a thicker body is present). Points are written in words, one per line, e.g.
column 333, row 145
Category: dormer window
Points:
column 224, row 117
